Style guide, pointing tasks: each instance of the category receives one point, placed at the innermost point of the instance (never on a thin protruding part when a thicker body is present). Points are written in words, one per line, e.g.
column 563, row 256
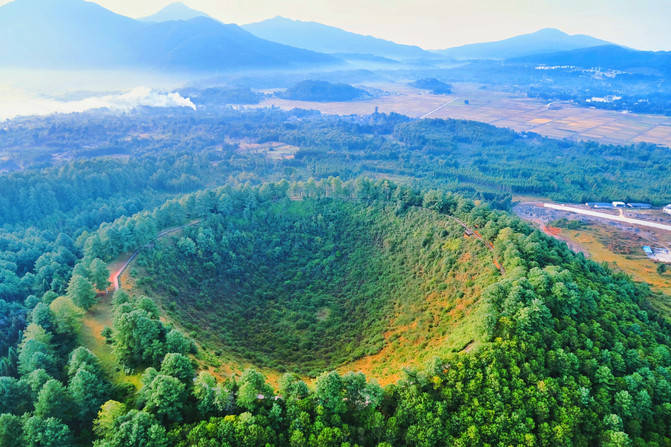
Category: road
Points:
column 114, row 277
column 629, row 220
column 426, row 115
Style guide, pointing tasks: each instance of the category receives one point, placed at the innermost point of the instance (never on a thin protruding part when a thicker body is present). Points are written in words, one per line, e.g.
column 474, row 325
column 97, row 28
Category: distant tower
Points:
column 375, row 110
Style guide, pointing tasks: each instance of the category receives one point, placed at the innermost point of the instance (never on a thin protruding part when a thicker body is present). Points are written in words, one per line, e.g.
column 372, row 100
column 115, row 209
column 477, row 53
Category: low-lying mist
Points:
column 20, row 103
column 27, row 92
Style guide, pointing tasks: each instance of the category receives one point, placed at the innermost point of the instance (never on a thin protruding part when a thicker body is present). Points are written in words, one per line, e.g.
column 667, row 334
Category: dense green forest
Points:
column 573, row 354
column 476, row 160
column 433, row 85
column 302, row 275
column 323, row 91
column 216, row 96
column 294, row 282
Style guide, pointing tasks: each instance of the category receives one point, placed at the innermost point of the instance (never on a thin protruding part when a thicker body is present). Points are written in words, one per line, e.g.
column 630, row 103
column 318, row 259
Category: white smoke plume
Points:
column 15, row 103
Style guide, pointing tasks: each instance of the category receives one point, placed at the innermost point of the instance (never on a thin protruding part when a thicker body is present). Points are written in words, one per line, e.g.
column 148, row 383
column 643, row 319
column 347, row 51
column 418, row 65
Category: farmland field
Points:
column 562, row 120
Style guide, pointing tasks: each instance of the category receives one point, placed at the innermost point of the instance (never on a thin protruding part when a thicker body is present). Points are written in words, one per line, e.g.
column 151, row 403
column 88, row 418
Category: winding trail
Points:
column 116, row 275
column 472, row 232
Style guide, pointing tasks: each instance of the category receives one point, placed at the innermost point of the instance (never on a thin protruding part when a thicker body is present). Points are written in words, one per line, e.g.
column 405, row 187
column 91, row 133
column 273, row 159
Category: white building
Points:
column 667, row 209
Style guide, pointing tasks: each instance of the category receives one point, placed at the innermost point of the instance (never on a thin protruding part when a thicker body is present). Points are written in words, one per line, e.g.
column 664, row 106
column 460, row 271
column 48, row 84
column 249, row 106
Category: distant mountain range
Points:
column 77, row 34
column 74, row 34
column 612, row 57
column 174, row 11
column 547, row 40
column 328, row 39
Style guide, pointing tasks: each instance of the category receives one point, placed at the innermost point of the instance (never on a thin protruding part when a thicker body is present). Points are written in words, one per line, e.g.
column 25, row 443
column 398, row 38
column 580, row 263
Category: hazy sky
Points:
column 432, row 24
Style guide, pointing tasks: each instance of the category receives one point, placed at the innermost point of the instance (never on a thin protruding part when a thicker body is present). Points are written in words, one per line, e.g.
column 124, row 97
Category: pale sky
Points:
column 435, row 24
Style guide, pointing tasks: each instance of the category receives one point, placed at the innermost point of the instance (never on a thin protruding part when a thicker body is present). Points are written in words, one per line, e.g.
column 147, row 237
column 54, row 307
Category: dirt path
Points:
column 472, row 232
column 101, row 316
column 115, row 275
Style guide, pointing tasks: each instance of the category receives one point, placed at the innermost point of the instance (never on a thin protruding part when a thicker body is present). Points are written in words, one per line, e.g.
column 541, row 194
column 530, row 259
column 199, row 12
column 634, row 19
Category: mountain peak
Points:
column 80, row 34
column 550, row 32
column 282, row 19
column 174, row 11
column 546, row 40
column 323, row 38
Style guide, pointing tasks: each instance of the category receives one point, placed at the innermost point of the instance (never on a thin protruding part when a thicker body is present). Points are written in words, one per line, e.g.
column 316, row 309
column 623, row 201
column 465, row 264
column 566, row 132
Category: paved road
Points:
column 629, row 220
column 426, row 115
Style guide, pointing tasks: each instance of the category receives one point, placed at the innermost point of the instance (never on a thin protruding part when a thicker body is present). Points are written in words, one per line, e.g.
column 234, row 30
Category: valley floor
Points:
column 502, row 109
column 618, row 244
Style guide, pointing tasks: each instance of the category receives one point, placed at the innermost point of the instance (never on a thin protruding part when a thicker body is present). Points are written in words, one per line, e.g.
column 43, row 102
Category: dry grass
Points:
column 410, row 346
column 442, row 324
column 626, row 256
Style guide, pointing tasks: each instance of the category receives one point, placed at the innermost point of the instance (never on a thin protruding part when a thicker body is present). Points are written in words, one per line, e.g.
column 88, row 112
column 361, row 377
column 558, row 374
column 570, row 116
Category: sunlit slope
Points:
column 526, row 332
column 311, row 284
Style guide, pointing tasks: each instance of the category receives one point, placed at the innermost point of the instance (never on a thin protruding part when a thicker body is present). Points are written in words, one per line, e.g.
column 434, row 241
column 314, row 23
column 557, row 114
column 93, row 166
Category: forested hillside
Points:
column 570, row 353
column 210, row 239
column 301, row 263
column 311, row 90
column 476, row 160
column 293, row 281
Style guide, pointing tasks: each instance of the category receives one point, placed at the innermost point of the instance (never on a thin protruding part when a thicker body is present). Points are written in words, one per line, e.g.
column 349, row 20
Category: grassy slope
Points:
column 95, row 320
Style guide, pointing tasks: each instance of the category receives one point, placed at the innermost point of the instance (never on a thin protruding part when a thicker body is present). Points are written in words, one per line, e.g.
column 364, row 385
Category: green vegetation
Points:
column 221, row 96
column 179, row 152
column 140, row 338
column 307, row 275
column 81, row 292
column 315, row 271
column 433, row 85
column 560, row 170
column 569, row 224
column 573, row 357
column 323, row 91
